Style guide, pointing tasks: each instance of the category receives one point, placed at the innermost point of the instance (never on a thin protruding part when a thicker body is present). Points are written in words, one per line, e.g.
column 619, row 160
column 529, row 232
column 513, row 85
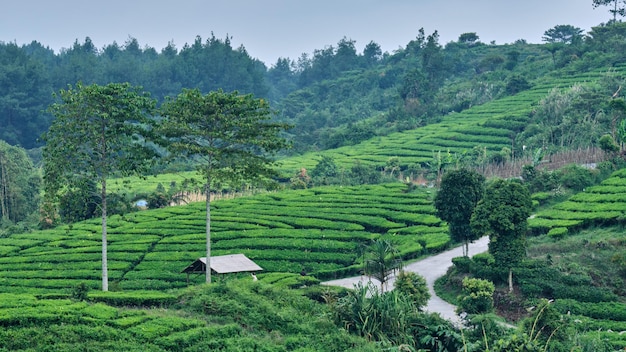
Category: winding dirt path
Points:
column 431, row 269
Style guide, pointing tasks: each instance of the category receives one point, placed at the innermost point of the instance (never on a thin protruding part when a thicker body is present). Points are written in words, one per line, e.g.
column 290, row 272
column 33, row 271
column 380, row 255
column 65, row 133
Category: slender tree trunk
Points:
column 4, row 193
column 510, row 280
column 105, row 274
column 207, row 190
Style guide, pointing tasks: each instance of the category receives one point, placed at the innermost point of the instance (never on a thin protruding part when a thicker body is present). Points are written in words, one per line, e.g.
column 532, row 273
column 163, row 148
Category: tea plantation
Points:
column 321, row 231
column 488, row 127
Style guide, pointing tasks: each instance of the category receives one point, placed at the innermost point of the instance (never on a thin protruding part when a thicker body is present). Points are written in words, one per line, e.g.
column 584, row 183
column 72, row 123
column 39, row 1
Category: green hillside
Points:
column 466, row 138
column 488, row 127
column 600, row 205
column 425, row 109
column 318, row 230
column 237, row 316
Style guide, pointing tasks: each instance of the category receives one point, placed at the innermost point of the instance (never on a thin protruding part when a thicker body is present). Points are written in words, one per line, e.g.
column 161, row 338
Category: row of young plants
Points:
column 491, row 126
column 320, row 231
column 236, row 316
column 591, row 300
column 579, row 308
column 596, row 205
column 585, row 279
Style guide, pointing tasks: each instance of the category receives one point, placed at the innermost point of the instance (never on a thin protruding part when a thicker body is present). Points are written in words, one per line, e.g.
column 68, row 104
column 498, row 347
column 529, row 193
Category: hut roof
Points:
column 223, row 264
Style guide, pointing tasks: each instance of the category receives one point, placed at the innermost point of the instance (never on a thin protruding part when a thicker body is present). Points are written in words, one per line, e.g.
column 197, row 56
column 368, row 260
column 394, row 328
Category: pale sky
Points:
column 270, row 29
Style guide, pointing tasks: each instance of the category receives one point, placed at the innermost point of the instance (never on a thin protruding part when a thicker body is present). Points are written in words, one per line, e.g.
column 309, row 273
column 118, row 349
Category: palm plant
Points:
column 382, row 260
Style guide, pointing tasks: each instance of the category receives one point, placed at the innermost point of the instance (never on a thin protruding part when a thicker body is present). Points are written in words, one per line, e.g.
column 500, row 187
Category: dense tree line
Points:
column 335, row 96
column 30, row 74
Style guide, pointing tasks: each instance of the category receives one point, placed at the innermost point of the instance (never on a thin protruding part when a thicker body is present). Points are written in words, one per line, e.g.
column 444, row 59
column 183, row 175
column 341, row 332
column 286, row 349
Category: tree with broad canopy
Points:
column 455, row 201
column 230, row 135
column 99, row 132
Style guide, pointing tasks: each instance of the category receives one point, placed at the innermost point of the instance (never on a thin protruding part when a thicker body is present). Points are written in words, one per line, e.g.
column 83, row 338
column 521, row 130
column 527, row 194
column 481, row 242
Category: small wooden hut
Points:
column 223, row 264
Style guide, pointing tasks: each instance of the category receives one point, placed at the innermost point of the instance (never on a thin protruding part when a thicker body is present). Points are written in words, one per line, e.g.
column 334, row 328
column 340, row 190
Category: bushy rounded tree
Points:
column 503, row 214
column 414, row 286
column 455, row 201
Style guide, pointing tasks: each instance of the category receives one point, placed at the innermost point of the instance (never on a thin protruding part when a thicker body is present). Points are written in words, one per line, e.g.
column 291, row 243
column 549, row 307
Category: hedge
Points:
column 139, row 298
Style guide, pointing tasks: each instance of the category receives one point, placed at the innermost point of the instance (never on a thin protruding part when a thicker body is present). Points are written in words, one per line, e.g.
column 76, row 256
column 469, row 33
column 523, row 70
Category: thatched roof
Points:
column 223, row 264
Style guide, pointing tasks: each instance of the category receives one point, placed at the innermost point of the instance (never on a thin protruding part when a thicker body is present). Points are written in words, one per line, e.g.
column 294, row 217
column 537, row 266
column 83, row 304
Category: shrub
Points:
column 576, row 177
column 477, row 297
column 462, row 264
column 414, row 286
column 80, row 292
column 134, row 299
column 482, row 266
column 615, row 311
column 558, row 232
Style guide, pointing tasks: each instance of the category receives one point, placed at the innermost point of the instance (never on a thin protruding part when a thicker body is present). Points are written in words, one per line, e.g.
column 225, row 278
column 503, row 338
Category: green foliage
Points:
column 80, row 292
column 572, row 117
column 19, row 185
column 462, row 264
column 599, row 310
column 79, row 202
column 558, row 232
column 477, row 296
column 263, row 310
column 608, row 145
column 120, row 110
column 459, row 193
column 383, row 317
column 600, row 204
column 230, row 130
column 414, row 286
column 468, row 38
column 382, row 260
column 576, row 177
column 137, row 298
column 502, row 214
column 325, row 171
column 566, row 34
column 270, row 319
column 516, row 84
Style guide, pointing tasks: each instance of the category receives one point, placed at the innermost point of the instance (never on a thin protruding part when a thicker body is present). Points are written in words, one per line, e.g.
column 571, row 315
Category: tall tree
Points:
column 99, row 132
column 503, row 214
column 19, row 184
column 346, row 57
column 458, row 195
column 230, row 134
column 563, row 33
column 372, row 53
column 469, row 39
column 619, row 7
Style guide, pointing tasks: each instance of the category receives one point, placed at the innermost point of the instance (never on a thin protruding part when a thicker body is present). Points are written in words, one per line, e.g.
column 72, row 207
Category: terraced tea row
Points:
column 489, row 126
column 321, row 231
column 603, row 204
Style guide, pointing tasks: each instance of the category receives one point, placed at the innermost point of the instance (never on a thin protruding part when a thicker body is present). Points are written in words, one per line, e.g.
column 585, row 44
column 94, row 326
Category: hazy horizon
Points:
column 281, row 28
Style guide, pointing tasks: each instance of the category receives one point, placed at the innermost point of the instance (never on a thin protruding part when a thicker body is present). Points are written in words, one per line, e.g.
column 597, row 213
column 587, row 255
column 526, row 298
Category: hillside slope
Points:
column 321, row 231
column 471, row 134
